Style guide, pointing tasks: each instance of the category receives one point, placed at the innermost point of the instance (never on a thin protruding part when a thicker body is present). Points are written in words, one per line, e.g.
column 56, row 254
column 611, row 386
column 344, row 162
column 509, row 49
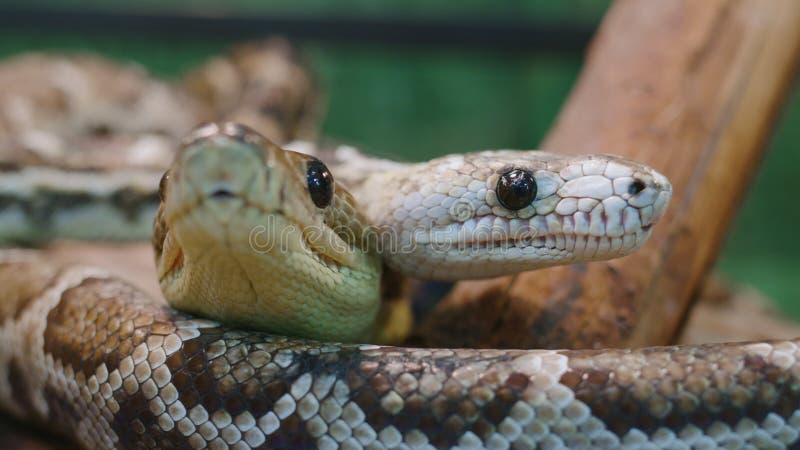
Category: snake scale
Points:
column 90, row 356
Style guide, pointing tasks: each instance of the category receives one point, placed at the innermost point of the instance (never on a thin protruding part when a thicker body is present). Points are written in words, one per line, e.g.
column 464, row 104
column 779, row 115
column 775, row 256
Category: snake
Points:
column 92, row 357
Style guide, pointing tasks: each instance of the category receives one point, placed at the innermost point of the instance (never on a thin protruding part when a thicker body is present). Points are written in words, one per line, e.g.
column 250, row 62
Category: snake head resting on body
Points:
column 262, row 237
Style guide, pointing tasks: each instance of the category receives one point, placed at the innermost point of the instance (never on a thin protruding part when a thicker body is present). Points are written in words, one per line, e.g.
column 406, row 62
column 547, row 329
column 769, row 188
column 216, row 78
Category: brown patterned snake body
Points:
column 90, row 356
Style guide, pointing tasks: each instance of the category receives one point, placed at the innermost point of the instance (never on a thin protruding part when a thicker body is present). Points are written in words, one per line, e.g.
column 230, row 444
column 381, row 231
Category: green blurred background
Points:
column 418, row 101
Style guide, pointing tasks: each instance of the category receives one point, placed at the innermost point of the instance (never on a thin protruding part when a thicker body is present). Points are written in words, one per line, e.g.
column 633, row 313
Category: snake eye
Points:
column 162, row 186
column 516, row 189
column 320, row 183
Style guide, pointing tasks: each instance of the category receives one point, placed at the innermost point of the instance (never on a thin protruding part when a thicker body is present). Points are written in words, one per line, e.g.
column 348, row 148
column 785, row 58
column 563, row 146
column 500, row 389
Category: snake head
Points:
column 493, row 213
column 257, row 236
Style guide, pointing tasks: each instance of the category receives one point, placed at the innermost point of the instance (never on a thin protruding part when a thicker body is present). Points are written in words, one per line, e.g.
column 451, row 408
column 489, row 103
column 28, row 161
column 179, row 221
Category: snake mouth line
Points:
column 172, row 258
column 485, row 234
column 321, row 257
column 175, row 268
column 560, row 242
column 177, row 262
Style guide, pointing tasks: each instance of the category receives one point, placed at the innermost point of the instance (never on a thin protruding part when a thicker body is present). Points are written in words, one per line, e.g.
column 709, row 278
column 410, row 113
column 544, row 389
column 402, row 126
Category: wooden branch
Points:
column 690, row 88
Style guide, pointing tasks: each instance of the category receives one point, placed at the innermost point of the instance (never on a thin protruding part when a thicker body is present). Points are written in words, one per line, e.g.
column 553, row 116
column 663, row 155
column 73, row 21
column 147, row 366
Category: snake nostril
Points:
column 221, row 194
column 636, row 186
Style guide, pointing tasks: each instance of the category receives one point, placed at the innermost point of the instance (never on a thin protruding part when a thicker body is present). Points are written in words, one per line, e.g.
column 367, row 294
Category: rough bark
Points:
column 690, row 88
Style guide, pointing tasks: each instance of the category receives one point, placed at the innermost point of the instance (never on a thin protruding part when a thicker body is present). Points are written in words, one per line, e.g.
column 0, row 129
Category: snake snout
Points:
column 222, row 169
column 654, row 198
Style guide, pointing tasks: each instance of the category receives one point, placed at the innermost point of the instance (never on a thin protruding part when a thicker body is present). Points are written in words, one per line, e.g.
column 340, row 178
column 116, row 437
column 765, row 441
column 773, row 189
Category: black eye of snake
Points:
column 320, row 183
column 516, row 189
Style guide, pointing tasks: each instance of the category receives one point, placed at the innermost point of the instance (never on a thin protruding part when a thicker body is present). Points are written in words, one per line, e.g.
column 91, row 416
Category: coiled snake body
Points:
column 93, row 357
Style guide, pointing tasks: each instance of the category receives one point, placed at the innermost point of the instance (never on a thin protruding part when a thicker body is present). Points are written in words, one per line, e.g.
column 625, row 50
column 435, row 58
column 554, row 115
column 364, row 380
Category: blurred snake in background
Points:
column 311, row 246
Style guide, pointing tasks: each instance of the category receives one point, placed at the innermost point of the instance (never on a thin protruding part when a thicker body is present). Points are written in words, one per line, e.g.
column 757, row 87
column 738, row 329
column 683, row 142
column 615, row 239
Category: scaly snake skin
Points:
column 96, row 359
column 92, row 357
